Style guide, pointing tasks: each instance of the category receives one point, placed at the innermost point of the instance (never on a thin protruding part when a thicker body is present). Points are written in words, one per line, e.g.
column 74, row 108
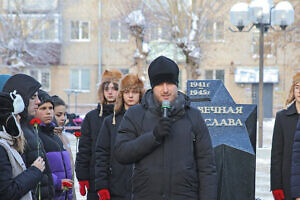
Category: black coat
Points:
column 281, row 154
column 109, row 173
column 295, row 170
column 31, row 153
column 85, row 159
column 181, row 167
column 27, row 86
column 15, row 188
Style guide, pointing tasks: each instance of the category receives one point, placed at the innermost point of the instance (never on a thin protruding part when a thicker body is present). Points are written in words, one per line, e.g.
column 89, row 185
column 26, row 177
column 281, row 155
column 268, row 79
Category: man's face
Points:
column 110, row 92
column 131, row 97
column 165, row 91
column 33, row 104
column 45, row 112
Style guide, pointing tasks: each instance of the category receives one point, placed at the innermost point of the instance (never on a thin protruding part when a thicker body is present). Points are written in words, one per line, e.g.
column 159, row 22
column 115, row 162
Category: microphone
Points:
column 165, row 106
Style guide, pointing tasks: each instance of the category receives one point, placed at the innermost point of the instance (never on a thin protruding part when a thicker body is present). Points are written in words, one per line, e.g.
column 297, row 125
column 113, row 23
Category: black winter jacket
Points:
column 85, row 159
column 31, row 153
column 295, row 170
column 181, row 167
column 15, row 188
column 281, row 153
column 26, row 86
column 109, row 173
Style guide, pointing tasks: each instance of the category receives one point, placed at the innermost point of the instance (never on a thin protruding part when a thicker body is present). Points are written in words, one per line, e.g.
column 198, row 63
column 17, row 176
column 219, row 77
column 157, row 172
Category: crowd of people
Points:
column 136, row 145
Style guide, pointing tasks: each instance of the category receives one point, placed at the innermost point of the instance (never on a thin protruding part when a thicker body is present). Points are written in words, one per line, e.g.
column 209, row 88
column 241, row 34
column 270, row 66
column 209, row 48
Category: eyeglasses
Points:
column 106, row 86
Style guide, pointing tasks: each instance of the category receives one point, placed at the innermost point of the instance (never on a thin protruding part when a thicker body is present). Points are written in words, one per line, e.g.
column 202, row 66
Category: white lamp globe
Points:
column 283, row 14
column 260, row 11
column 239, row 15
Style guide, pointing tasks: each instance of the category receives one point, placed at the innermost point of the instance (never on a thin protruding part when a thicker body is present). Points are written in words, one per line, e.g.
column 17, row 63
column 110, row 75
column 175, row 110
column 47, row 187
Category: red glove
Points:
column 278, row 194
column 82, row 186
column 104, row 194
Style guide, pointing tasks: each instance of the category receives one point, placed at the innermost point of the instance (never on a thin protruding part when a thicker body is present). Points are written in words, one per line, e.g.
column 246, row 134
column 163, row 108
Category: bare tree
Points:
column 22, row 24
column 137, row 23
column 187, row 20
column 132, row 13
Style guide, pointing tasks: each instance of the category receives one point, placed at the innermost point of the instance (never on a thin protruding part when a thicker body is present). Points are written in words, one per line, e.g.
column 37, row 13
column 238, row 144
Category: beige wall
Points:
column 235, row 51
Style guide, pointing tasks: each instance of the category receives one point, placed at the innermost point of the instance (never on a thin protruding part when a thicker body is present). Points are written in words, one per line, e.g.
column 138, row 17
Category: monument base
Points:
column 236, row 173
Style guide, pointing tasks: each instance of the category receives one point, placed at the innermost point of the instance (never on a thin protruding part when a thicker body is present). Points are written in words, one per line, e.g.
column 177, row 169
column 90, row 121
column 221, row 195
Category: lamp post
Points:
column 263, row 15
column 69, row 92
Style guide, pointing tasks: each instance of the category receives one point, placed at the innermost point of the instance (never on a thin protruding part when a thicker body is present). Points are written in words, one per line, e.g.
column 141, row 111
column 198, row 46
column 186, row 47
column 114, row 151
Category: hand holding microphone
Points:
column 163, row 128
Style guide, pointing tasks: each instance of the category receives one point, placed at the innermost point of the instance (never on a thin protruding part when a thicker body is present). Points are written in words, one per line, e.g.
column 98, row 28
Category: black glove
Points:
column 163, row 128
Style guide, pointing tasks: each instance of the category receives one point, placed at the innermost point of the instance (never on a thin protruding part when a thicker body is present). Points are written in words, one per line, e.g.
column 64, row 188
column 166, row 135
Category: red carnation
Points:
column 77, row 134
column 35, row 121
column 66, row 185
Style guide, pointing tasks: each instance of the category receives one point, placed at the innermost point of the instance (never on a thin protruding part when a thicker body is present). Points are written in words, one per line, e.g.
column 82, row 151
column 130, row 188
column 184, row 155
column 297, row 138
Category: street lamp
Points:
column 263, row 15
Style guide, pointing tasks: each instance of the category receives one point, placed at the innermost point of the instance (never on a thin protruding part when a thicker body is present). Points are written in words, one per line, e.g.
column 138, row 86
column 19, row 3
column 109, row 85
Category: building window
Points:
column 209, row 74
column 124, row 71
column 80, row 79
column 46, row 31
column 118, row 31
column 36, row 27
column 214, row 31
column 215, row 74
column 30, row 5
column 80, row 31
column 159, row 33
column 220, row 75
column 41, row 75
column 268, row 50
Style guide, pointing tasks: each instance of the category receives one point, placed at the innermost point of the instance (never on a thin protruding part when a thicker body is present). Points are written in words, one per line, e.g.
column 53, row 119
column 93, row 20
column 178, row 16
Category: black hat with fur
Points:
column 130, row 81
column 112, row 76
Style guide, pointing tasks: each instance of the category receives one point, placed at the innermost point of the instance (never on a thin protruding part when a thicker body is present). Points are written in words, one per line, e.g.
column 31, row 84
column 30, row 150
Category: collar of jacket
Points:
column 291, row 110
column 178, row 106
column 106, row 108
column 121, row 112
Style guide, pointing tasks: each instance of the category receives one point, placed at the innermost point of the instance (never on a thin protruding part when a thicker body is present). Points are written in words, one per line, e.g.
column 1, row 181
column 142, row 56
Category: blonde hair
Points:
column 19, row 143
column 291, row 96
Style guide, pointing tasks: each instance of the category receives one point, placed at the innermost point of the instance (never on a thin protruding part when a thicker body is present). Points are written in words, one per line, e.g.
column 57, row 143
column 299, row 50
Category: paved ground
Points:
column 263, row 159
column 262, row 186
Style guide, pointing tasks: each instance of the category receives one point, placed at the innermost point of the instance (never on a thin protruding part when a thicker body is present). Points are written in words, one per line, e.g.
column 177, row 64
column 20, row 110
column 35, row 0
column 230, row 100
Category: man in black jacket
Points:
column 85, row 159
column 28, row 87
column 172, row 155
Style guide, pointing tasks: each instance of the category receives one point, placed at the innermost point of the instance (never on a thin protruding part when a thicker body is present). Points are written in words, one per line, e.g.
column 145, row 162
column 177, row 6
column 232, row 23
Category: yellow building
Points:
column 90, row 36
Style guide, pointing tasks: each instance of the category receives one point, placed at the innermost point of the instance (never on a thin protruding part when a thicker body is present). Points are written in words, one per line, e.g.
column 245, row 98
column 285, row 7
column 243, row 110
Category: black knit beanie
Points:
column 44, row 97
column 163, row 69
